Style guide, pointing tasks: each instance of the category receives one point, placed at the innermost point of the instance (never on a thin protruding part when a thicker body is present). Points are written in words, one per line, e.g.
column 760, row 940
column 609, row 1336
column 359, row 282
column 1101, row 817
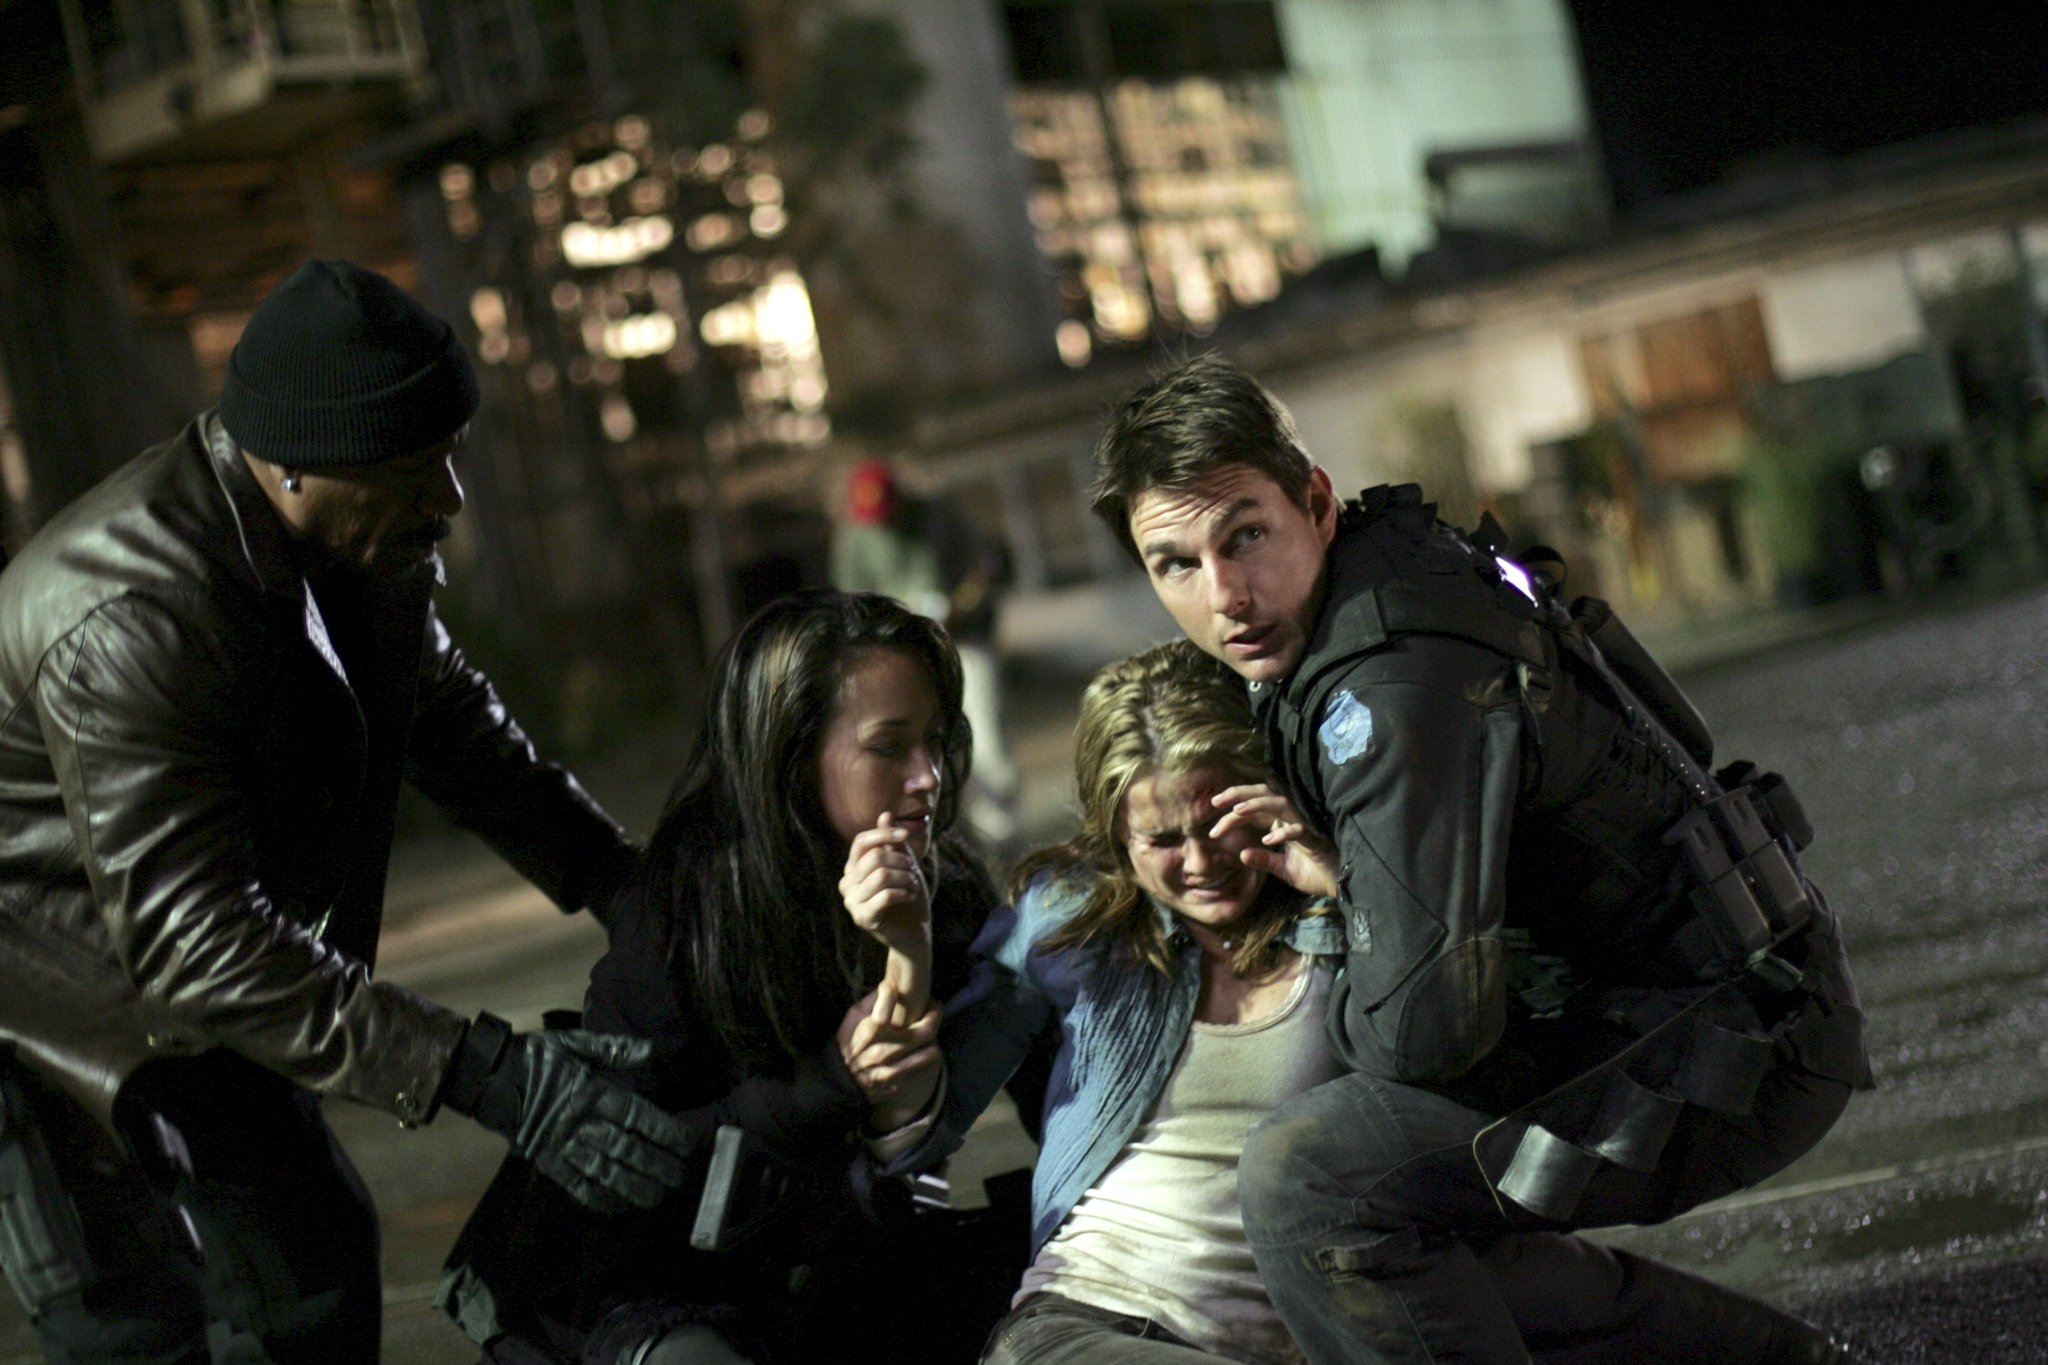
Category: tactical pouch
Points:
column 746, row 1190
column 1635, row 1122
column 1781, row 810
column 1548, row 1175
column 1613, row 1117
column 42, row 1242
column 1750, row 897
column 1723, row 1068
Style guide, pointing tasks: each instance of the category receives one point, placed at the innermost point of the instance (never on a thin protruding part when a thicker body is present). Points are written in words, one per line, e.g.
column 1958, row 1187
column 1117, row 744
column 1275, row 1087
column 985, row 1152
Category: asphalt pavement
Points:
column 1918, row 1229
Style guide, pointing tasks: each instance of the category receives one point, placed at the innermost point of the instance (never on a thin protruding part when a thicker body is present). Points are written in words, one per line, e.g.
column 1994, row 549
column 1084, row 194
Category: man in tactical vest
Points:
column 1587, row 984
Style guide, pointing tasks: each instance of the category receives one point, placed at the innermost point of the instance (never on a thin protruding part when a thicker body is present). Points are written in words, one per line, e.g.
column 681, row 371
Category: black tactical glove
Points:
column 605, row 1145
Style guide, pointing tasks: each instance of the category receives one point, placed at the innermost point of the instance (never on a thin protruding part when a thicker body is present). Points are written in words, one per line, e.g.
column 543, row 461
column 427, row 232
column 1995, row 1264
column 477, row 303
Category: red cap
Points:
column 870, row 492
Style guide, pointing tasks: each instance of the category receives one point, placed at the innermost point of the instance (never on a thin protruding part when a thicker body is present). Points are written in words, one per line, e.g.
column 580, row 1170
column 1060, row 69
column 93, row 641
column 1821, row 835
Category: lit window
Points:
column 487, row 310
column 616, row 416
column 1075, row 345
column 638, row 335
column 1162, row 195
column 586, row 244
column 653, row 259
column 712, row 231
column 602, row 177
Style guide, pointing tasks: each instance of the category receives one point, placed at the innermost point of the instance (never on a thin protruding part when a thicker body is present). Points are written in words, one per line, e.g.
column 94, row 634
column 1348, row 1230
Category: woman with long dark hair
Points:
column 799, row 904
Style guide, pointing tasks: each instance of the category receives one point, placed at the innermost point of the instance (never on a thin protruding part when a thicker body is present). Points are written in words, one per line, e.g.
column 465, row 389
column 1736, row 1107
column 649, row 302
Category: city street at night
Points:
column 1918, row 1229
column 1920, row 747
column 791, row 390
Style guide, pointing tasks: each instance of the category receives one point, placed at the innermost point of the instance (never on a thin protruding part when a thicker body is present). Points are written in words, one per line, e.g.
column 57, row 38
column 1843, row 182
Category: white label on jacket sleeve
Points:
column 1346, row 728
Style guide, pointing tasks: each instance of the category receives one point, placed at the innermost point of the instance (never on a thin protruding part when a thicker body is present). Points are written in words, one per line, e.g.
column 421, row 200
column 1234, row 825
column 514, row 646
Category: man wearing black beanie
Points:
column 215, row 670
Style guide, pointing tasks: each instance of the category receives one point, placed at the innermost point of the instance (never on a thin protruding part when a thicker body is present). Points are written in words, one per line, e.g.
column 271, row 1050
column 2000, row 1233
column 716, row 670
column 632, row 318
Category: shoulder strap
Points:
column 1396, row 570
column 1698, row 781
column 1750, row 897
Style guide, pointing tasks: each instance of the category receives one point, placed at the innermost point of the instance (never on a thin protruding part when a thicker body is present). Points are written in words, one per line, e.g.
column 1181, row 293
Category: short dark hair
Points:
column 1175, row 428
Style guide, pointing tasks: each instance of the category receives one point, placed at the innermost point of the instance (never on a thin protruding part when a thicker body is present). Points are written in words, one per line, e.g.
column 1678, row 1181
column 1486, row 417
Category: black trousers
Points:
column 264, row 1251
column 1382, row 1242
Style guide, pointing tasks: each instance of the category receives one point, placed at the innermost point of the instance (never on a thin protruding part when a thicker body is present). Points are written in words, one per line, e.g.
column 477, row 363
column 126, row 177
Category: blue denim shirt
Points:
column 1121, row 1025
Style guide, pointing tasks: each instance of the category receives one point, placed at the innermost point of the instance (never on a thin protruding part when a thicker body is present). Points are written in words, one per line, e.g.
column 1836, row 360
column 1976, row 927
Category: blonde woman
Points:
column 1173, row 948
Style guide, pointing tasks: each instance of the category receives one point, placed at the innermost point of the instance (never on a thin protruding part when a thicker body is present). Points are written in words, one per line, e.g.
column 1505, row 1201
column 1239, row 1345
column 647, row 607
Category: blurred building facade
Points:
column 1821, row 380
column 711, row 254
column 1188, row 159
column 1784, row 393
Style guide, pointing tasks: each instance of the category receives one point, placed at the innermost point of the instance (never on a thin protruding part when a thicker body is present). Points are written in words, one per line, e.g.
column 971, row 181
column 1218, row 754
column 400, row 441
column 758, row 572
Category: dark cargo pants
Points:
column 266, row 1252
column 1382, row 1243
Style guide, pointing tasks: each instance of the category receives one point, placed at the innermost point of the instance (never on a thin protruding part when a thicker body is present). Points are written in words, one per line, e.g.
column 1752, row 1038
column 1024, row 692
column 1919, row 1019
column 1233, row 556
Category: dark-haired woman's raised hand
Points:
column 889, row 896
column 1289, row 848
column 895, row 1063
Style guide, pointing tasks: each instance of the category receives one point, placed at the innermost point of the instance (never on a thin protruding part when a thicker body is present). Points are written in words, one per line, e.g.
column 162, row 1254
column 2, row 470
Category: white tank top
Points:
column 1160, row 1235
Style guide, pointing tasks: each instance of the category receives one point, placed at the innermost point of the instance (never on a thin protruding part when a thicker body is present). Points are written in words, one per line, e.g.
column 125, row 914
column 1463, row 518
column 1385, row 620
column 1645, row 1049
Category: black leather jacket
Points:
column 199, row 765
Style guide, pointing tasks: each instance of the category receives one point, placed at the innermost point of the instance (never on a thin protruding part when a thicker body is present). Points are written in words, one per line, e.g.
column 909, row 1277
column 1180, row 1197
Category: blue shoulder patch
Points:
column 1346, row 729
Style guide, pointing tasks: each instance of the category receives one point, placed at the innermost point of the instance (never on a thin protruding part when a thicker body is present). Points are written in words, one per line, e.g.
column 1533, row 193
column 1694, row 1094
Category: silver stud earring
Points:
column 291, row 483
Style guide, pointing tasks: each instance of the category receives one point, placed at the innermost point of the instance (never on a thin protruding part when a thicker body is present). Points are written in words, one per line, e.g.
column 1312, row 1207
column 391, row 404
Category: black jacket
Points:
column 1499, row 825
column 199, row 763
column 563, row 1281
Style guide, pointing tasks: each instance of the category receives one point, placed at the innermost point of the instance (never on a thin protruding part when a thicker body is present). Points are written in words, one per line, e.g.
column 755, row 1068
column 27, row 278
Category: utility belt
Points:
column 1703, row 1045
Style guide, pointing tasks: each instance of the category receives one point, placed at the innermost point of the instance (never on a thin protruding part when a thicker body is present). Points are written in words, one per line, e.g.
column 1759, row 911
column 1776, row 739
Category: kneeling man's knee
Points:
column 1304, row 1170
column 1277, row 1160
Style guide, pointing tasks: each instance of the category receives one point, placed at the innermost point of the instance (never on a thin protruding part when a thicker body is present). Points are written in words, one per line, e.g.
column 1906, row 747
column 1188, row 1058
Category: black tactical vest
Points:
column 1590, row 879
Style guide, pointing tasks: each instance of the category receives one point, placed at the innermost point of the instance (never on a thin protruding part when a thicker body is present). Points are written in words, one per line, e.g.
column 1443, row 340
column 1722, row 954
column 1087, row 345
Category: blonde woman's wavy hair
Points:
column 1171, row 710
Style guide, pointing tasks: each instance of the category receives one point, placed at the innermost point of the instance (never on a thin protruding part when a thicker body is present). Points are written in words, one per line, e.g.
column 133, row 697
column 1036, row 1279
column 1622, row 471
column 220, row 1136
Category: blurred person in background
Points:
column 1182, row 975
column 217, row 667
column 1550, row 1017
column 925, row 553
column 802, row 902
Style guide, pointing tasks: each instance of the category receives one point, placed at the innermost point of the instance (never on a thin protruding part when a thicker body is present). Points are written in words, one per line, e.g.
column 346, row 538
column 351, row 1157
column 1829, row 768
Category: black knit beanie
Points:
column 339, row 366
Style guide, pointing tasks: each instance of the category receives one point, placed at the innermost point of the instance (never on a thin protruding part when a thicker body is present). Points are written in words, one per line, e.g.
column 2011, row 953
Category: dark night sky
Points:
column 1682, row 92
